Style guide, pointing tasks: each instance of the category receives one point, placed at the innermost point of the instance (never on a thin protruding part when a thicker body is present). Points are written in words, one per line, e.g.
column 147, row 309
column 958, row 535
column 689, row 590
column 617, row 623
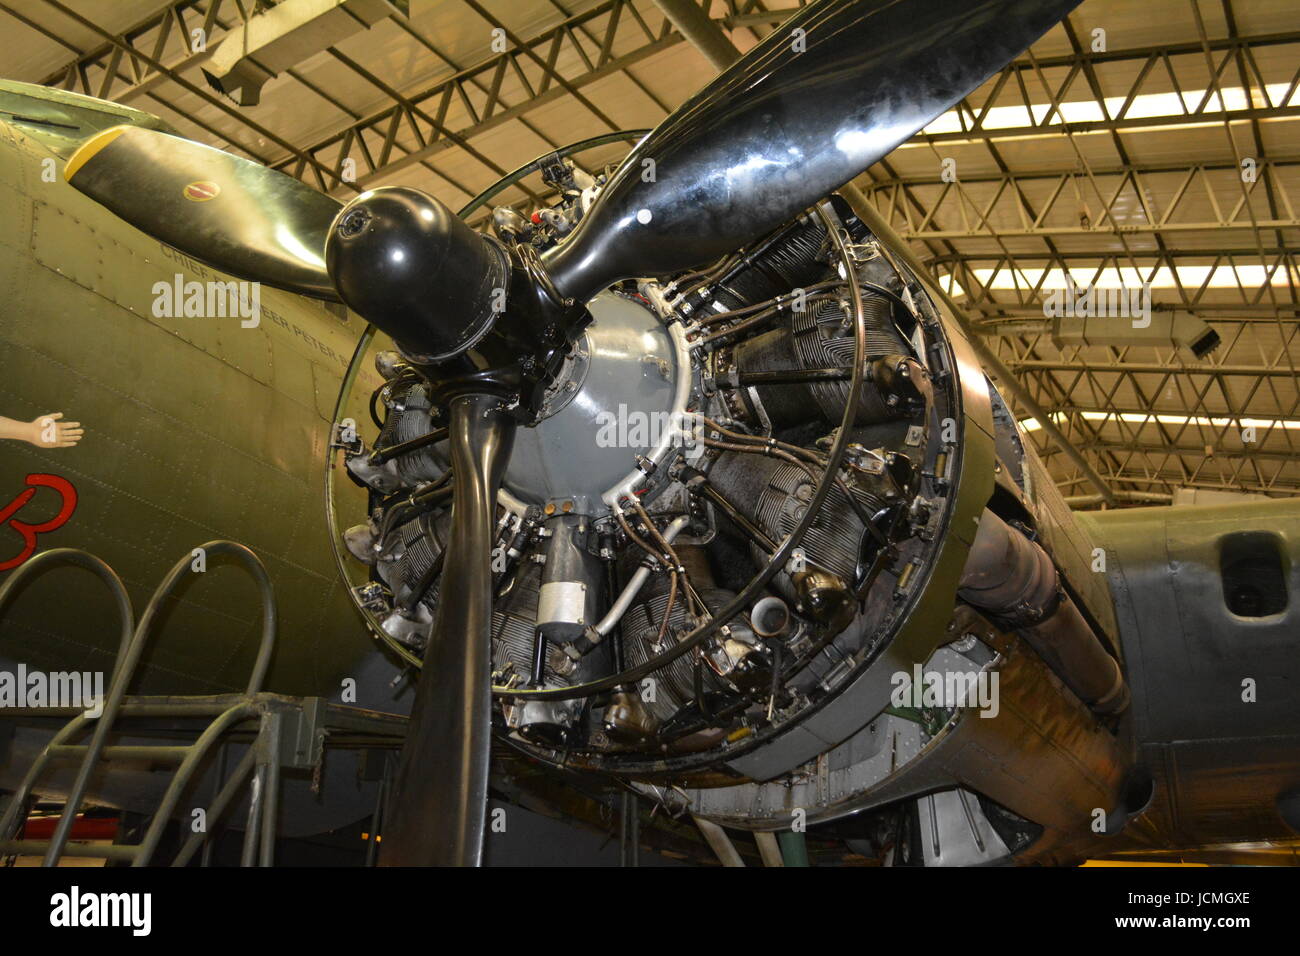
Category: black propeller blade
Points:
column 439, row 801
column 823, row 97
column 231, row 213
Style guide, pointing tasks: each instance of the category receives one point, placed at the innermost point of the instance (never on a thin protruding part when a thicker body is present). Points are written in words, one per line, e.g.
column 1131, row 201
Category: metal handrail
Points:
column 19, row 801
column 130, row 651
column 223, row 798
column 197, row 751
column 91, row 563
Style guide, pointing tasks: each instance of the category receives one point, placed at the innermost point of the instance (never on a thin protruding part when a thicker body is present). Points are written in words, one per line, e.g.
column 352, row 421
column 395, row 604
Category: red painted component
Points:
column 83, row 828
column 29, row 532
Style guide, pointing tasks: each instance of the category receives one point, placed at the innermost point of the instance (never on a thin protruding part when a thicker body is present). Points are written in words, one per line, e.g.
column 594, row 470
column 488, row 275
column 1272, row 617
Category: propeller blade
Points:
column 234, row 214
column 438, row 806
column 823, row 97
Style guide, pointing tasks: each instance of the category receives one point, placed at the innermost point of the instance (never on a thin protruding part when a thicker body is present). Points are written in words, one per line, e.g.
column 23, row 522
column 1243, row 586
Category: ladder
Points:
column 272, row 715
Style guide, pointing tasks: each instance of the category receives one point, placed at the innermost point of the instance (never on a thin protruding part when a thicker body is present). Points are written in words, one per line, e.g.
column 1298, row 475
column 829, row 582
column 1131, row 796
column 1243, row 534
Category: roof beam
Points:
column 1200, row 117
column 704, row 34
column 542, row 48
column 231, row 111
column 1196, row 453
column 1152, row 368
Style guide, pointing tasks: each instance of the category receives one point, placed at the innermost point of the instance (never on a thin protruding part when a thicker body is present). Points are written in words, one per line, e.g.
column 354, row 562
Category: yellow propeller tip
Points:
column 87, row 150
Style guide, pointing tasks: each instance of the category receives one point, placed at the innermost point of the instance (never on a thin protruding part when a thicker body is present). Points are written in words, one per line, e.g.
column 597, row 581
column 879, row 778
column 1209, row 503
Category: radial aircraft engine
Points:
column 687, row 483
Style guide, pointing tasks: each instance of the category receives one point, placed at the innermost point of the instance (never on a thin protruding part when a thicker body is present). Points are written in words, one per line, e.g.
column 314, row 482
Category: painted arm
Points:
column 44, row 431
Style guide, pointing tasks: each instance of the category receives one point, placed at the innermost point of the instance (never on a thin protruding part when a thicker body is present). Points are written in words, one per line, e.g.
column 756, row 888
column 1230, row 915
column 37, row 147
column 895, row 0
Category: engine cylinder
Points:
column 675, row 685
column 773, row 494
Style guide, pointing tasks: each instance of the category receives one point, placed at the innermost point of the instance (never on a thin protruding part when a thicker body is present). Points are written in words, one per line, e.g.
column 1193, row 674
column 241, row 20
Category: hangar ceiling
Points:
column 1150, row 144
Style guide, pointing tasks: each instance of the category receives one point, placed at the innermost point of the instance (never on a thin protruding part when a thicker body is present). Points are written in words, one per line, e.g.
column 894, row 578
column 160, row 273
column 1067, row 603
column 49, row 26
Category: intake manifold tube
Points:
column 600, row 631
column 1014, row 580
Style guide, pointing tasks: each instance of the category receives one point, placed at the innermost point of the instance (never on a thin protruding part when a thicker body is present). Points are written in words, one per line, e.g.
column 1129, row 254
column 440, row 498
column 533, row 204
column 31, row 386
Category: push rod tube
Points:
column 635, row 583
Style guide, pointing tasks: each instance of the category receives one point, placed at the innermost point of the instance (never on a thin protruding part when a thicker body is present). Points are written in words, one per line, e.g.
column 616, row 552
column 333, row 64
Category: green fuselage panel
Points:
column 195, row 428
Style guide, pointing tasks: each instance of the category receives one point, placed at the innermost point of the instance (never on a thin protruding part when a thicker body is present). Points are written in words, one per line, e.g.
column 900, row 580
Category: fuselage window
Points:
column 1254, row 580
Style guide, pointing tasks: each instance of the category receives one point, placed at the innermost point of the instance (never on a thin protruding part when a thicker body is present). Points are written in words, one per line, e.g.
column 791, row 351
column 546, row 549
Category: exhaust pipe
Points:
column 1014, row 580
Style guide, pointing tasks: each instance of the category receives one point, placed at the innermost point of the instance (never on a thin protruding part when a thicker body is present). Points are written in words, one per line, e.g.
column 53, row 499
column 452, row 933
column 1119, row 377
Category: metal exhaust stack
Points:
column 1013, row 579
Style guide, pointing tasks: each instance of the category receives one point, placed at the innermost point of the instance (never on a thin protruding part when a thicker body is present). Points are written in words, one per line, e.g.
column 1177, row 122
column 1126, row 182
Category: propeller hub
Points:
column 354, row 222
column 405, row 262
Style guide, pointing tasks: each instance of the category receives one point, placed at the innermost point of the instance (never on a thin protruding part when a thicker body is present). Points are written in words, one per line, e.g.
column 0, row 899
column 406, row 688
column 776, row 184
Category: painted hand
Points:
column 48, row 431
